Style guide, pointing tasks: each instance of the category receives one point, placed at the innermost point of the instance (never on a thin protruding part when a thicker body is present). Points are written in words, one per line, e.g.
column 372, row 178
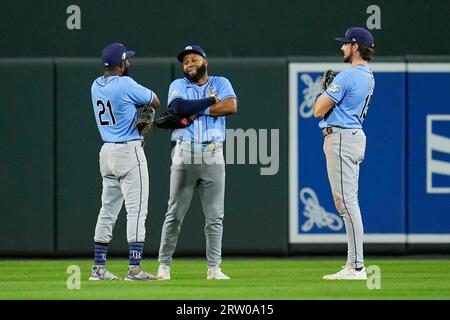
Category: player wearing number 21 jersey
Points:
column 123, row 164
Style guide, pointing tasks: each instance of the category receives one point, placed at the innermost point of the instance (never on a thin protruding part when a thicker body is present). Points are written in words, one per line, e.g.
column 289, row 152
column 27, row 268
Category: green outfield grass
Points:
column 259, row 279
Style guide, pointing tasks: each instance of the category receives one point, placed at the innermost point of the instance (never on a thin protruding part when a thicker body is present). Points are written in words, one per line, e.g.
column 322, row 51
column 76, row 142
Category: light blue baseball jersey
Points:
column 351, row 91
column 114, row 100
column 205, row 128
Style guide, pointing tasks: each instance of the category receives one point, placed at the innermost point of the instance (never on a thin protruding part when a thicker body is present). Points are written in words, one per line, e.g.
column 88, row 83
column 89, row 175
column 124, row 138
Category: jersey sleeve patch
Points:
column 334, row 88
column 173, row 93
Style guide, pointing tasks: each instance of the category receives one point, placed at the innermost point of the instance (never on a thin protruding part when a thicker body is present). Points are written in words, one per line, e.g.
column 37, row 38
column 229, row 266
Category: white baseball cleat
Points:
column 136, row 273
column 347, row 273
column 99, row 272
column 163, row 272
column 215, row 273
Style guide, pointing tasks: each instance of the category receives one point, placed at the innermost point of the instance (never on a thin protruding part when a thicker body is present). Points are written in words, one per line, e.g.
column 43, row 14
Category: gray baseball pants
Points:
column 344, row 150
column 195, row 169
column 125, row 177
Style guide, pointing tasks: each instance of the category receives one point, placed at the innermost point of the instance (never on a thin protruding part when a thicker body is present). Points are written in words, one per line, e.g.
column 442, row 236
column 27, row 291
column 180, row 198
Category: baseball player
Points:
column 123, row 164
column 197, row 160
column 343, row 108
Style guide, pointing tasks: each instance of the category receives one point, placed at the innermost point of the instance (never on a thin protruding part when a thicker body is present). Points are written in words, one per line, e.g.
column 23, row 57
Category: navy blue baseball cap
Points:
column 358, row 35
column 191, row 49
column 114, row 53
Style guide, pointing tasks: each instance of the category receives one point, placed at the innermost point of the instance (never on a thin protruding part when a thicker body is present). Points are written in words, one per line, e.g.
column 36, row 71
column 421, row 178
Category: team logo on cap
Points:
column 188, row 48
column 124, row 55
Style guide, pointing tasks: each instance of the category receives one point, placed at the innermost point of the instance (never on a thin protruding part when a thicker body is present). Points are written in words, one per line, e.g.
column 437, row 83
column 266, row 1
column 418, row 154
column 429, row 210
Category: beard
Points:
column 198, row 75
column 349, row 57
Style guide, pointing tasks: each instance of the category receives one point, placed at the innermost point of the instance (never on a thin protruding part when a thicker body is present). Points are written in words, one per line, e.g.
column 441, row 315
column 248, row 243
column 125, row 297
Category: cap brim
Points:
column 185, row 52
column 343, row 40
column 130, row 53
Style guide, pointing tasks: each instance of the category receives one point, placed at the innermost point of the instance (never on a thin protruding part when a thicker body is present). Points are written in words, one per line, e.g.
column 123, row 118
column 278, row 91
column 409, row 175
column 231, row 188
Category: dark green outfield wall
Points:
column 232, row 28
column 27, row 156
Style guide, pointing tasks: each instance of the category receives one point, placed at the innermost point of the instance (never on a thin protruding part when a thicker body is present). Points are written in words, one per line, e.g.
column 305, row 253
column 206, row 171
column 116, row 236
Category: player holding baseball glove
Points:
column 343, row 107
column 124, row 112
column 198, row 104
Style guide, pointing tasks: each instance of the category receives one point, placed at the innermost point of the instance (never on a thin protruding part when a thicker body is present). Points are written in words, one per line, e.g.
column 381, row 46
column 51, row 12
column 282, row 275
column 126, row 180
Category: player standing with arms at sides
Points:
column 210, row 99
column 343, row 108
column 123, row 164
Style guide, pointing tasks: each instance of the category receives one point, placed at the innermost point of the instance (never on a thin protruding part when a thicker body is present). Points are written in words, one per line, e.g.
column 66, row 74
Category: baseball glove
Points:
column 327, row 78
column 145, row 119
column 171, row 120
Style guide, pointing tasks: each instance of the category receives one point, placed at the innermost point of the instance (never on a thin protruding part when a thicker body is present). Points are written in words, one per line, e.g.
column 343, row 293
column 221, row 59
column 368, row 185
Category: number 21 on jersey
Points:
column 102, row 111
